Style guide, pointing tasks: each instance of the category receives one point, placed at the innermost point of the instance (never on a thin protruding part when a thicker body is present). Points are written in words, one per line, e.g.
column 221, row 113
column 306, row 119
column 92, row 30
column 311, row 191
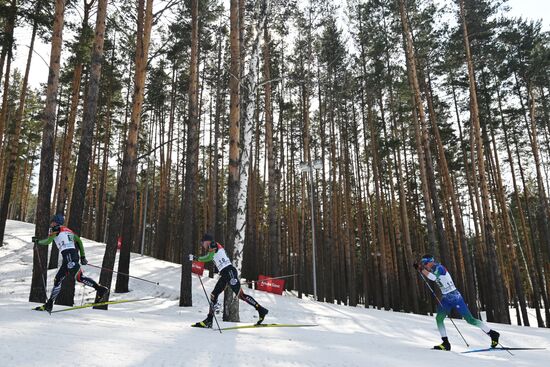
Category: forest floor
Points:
column 157, row 332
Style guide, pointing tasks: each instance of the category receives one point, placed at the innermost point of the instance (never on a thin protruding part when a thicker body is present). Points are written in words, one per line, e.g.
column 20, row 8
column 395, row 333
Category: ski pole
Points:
column 210, row 304
column 128, row 275
column 437, row 298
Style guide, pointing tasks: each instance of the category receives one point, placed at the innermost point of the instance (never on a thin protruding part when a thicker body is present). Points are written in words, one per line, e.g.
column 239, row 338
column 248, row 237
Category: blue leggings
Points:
column 454, row 300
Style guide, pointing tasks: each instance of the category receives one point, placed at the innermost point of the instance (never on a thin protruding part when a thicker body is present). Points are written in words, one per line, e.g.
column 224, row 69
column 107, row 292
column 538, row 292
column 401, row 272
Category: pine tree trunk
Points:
column 419, row 125
column 543, row 209
column 102, row 191
column 15, row 133
column 127, row 231
column 215, row 225
column 88, row 123
column 273, row 192
column 500, row 305
column 469, row 285
column 144, row 24
column 7, row 52
column 73, row 109
column 80, row 184
column 191, row 163
column 45, row 181
column 234, row 142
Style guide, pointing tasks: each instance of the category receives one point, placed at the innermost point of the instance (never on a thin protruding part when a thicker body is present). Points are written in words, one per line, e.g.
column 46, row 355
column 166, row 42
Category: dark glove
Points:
column 35, row 240
column 83, row 260
column 416, row 266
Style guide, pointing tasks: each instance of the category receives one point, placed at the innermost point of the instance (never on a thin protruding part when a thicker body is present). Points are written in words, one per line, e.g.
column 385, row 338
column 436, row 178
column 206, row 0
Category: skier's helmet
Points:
column 59, row 219
column 427, row 259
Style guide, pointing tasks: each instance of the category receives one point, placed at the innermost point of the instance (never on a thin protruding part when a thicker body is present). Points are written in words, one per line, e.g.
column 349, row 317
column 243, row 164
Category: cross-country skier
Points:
column 65, row 239
column 228, row 275
column 451, row 298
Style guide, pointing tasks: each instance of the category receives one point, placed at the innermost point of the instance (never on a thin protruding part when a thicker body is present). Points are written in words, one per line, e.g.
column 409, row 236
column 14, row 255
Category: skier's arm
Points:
column 46, row 241
column 430, row 276
column 78, row 241
column 206, row 258
column 437, row 271
column 426, row 273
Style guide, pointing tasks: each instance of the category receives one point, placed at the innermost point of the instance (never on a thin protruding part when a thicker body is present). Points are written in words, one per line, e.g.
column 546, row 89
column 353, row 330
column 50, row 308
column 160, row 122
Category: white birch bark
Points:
column 251, row 86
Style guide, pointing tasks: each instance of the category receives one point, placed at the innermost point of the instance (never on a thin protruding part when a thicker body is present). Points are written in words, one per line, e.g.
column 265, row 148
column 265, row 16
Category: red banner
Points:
column 197, row 267
column 271, row 285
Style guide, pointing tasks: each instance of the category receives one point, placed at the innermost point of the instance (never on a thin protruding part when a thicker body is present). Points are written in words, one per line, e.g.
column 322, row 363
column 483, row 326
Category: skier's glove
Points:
column 416, row 266
column 83, row 260
column 35, row 240
column 192, row 257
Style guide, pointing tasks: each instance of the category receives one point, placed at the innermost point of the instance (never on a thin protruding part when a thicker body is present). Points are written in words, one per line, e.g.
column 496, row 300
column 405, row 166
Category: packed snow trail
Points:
column 157, row 332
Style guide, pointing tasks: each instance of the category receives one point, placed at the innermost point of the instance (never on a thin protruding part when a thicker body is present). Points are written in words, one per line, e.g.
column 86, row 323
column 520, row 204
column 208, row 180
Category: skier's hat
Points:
column 427, row 259
column 207, row 237
column 59, row 219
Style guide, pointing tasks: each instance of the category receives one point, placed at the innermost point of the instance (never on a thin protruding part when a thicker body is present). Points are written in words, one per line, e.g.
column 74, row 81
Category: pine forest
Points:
column 329, row 143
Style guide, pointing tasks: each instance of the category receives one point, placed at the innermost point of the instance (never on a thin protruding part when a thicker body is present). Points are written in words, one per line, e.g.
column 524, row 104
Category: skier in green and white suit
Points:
column 228, row 275
column 66, row 241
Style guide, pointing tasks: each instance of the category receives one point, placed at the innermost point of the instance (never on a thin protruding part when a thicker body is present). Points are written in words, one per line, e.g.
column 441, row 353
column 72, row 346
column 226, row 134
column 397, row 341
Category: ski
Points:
column 500, row 349
column 253, row 326
column 87, row 305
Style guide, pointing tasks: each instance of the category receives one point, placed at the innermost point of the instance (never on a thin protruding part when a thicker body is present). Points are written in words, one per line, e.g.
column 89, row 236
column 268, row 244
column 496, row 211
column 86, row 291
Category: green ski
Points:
column 87, row 305
column 256, row 326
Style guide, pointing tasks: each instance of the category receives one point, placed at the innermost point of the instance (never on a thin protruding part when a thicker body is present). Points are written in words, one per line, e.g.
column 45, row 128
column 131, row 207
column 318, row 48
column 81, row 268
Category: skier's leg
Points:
column 58, row 280
column 439, row 319
column 467, row 315
column 235, row 284
column 218, row 289
column 73, row 267
column 102, row 291
column 79, row 277
column 470, row 319
column 442, row 312
column 236, row 287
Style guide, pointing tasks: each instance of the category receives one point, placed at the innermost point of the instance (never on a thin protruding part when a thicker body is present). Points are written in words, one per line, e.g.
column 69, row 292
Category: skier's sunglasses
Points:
column 427, row 260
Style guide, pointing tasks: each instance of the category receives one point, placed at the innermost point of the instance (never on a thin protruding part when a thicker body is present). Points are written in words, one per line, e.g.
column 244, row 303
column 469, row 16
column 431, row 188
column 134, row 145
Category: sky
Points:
column 157, row 332
column 531, row 9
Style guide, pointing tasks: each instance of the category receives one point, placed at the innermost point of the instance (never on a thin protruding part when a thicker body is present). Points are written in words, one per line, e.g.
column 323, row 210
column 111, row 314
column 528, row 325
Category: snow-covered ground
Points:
column 158, row 332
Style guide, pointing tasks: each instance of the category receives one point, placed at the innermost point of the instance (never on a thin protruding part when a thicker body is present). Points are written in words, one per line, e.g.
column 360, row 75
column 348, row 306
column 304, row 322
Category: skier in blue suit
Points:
column 451, row 298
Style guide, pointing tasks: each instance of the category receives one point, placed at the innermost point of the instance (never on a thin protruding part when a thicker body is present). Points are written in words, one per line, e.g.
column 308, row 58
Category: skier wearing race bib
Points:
column 451, row 298
column 228, row 275
column 66, row 241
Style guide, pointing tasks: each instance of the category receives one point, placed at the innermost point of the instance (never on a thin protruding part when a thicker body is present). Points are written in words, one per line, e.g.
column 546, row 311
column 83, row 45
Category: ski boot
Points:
column 443, row 346
column 494, row 338
column 261, row 314
column 102, row 293
column 206, row 323
column 48, row 306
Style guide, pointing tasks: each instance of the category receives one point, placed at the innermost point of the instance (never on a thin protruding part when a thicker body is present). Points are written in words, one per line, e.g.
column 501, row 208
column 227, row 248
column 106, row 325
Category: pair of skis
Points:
column 497, row 349
column 259, row 326
column 87, row 305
